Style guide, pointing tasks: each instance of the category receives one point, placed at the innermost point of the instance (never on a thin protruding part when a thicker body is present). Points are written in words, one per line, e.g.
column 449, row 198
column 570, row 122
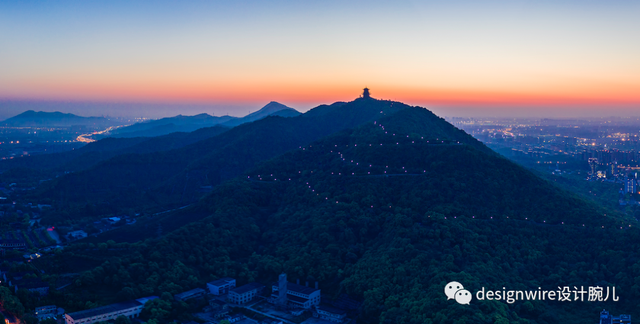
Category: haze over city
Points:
column 460, row 58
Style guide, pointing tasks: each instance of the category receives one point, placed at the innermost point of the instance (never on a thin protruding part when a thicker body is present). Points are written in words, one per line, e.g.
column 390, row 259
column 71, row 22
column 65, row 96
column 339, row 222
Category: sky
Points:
column 459, row 58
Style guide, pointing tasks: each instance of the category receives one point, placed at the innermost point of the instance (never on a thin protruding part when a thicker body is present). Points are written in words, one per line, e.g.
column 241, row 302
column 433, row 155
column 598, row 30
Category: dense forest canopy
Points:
column 379, row 200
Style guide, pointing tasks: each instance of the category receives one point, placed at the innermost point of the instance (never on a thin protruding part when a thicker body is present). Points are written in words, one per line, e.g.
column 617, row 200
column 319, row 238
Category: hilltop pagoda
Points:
column 365, row 93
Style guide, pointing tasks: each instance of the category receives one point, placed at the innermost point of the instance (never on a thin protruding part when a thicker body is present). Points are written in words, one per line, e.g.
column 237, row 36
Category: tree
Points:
column 29, row 319
column 166, row 296
column 26, row 220
column 123, row 320
column 10, row 302
column 157, row 309
column 126, row 293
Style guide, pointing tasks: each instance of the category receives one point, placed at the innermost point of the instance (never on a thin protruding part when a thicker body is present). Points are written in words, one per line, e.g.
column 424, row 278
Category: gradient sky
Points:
column 457, row 57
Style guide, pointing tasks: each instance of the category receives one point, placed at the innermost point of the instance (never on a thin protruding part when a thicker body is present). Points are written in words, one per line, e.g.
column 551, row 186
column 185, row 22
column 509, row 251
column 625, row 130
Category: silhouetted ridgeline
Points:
column 32, row 118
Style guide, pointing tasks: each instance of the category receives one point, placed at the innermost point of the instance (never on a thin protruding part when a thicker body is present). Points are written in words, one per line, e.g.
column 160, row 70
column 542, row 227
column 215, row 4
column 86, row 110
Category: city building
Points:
column 130, row 309
column 606, row 318
column 12, row 244
column 297, row 296
column 246, row 293
column 32, row 256
column 593, row 165
column 77, row 234
column 281, row 298
column 330, row 314
column 235, row 318
column 193, row 293
column 144, row 300
column 630, row 186
column 221, row 286
column 43, row 312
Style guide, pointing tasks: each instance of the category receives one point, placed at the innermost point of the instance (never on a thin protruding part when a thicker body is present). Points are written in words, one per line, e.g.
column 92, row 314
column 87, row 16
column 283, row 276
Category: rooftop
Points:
column 331, row 310
column 190, row 292
column 247, row 287
column 221, row 281
column 297, row 299
column 293, row 298
column 104, row 309
column 144, row 300
column 297, row 288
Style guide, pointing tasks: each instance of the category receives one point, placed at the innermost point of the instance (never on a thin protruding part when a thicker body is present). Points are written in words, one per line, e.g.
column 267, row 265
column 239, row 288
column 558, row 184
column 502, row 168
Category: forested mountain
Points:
column 175, row 177
column 271, row 109
column 389, row 212
column 182, row 123
column 32, row 118
column 50, row 165
column 169, row 125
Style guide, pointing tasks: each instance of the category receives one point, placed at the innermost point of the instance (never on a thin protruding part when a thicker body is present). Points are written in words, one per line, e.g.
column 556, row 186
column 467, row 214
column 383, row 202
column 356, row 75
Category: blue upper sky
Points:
column 498, row 57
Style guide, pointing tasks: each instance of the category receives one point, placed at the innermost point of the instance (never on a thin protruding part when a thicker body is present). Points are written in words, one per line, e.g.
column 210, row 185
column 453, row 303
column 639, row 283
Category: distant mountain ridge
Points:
column 31, row 118
column 176, row 176
column 272, row 108
column 106, row 148
column 182, row 123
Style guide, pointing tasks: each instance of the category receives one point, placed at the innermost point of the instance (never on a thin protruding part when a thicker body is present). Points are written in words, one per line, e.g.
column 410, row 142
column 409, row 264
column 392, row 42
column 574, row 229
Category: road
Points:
column 85, row 138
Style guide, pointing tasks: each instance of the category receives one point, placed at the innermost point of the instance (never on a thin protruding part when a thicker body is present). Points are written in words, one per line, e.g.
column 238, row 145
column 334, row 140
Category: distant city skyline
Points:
column 460, row 58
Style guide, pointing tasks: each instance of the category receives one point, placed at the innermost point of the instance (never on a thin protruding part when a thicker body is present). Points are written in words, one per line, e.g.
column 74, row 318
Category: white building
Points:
column 43, row 312
column 330, row 314
column 221, row 286
column 246, row 293
column 193, row 293
column 298, row 296
column 130, row 309
column 631, row 186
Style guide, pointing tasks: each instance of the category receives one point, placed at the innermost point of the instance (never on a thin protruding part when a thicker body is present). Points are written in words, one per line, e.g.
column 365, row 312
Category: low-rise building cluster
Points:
column 130, row 309
column 222, row 296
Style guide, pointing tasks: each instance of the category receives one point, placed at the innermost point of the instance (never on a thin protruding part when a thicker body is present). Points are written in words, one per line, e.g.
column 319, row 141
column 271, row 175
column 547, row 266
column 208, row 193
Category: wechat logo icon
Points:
column 455, row 290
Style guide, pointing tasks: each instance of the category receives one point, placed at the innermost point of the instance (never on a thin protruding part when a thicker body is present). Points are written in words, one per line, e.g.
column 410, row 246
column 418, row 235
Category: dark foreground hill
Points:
column 389, row 212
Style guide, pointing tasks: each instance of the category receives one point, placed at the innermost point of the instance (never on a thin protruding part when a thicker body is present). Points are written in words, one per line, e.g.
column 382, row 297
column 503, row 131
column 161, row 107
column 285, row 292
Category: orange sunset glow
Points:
column 564, row 54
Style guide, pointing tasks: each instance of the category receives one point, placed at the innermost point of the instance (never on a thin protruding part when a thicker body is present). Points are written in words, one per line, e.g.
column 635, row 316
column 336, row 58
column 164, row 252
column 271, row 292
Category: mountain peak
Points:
column 32, row 118
column 268, row 109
